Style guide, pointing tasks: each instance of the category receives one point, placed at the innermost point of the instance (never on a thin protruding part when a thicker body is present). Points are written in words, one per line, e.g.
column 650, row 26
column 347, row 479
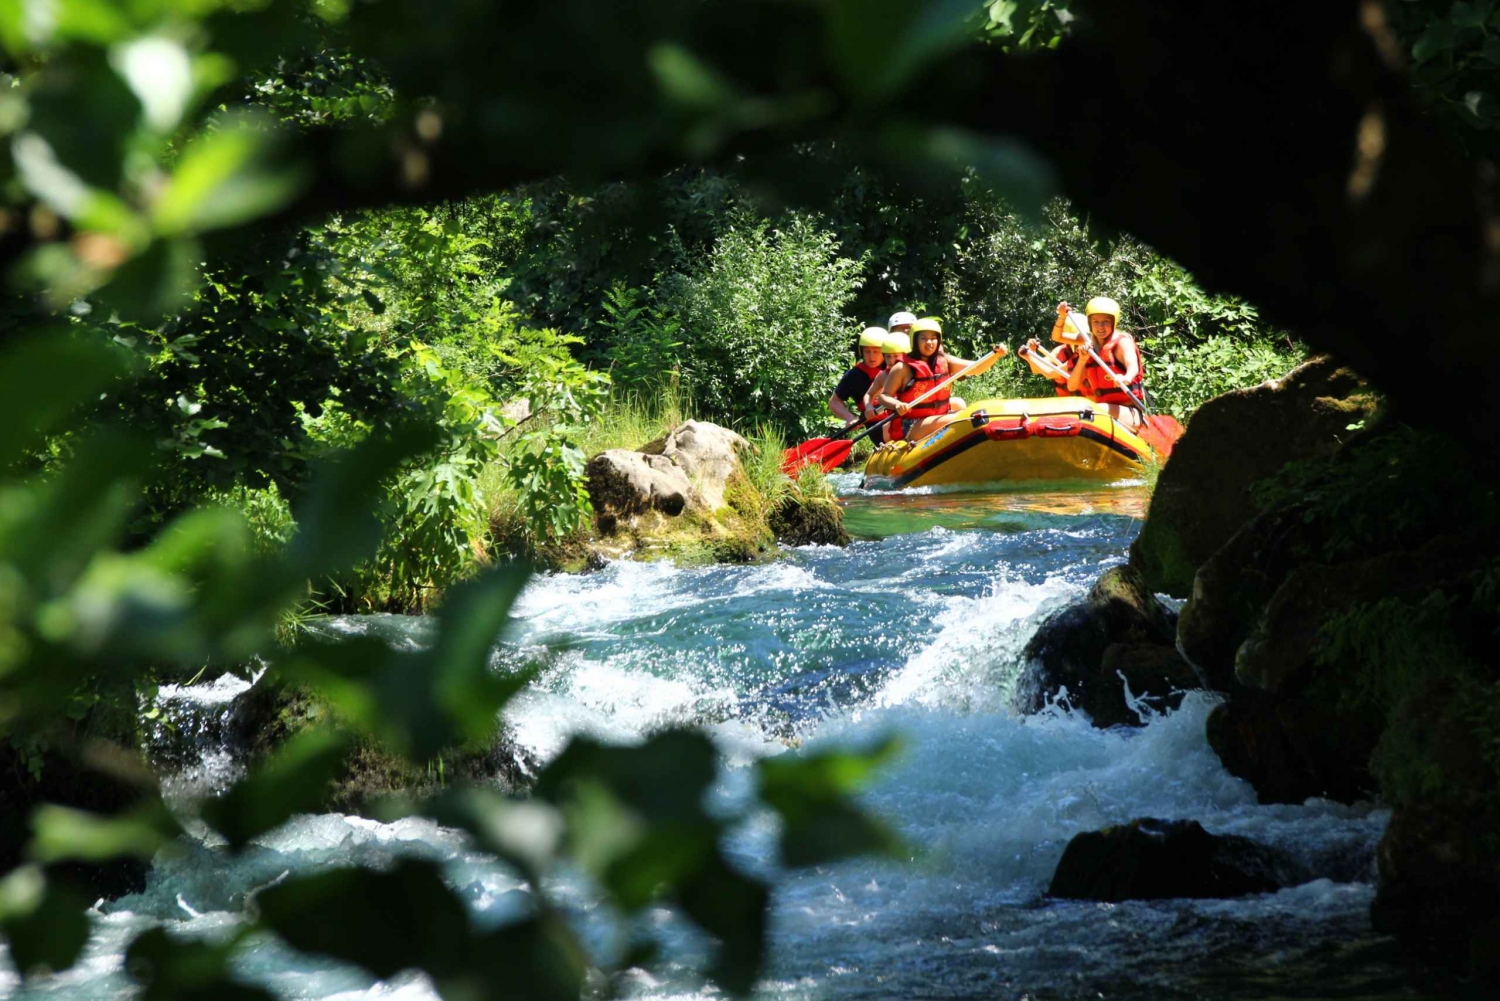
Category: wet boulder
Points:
column 1204, row 495
column 1150, row 859
column 1291, row 730
column 622, row 483
column 1438, row 868
column 272, row 712
column 710, row 456
column 1120, row 636
column 805, row 521
column 1232, row 587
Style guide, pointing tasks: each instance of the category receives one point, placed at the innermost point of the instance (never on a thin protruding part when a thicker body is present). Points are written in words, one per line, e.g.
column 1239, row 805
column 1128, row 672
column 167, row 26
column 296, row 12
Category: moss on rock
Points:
column 800, row 521
column 1205, row 493
column 272, row 712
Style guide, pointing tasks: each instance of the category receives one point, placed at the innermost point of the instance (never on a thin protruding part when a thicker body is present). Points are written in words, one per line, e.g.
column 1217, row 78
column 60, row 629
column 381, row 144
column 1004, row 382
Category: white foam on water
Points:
column 974, row 654
column 220, row 690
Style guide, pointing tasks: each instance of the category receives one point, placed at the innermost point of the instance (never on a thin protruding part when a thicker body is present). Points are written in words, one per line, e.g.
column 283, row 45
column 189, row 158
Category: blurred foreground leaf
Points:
column 44, row 923
column 294, row 781
column 421, row 702
column 811, row 792
column 42, row 380
column 63, row 833
column 172, row 969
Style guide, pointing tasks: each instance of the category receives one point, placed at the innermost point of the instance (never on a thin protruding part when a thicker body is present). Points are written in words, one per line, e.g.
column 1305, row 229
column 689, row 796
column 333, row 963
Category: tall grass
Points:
column 633, row 419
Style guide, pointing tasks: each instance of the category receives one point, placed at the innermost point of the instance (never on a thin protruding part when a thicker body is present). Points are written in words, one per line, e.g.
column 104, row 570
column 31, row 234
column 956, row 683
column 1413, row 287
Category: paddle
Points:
column 1159, row 431
column 791, row 459
column 833, row 452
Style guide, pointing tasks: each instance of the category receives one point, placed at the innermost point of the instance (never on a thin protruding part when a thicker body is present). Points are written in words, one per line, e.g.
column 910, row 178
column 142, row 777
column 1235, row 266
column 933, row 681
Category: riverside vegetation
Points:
column 262, row 355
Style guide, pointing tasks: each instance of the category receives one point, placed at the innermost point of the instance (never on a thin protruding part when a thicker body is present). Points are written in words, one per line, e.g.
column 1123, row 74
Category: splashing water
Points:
column 917, row 628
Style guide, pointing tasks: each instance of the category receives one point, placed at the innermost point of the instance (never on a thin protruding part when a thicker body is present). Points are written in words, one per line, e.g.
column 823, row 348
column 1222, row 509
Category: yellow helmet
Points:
column 1103, row 304
column 897, row 343
column 931, row 323
column 873, row 337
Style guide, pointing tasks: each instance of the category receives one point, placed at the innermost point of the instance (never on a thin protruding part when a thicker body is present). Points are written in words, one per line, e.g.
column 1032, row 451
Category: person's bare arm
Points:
column 840, row 410
column 895, row 381
column 872, row 398
column 1075, row 377
column 1132, row 370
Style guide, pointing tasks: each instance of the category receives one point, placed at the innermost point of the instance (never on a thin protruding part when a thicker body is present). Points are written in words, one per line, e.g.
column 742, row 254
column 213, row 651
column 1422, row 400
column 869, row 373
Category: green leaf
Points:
column 1438, row 37
column 155, row 283
column 1464, row 15
column 420, row 703
column 295, row 780
column 811, row 792
column 63, row 833
column 533, row 960
column 43, row 379
column 45, row 924
column 1017, row 172
column 527, row 834
column 386, row 921
column 684, row 79
column 336, row 522
column 470, row 621
column 879, row 44
column 225, row 178
column 732, row 907
column 373, row 301
column 173, row 969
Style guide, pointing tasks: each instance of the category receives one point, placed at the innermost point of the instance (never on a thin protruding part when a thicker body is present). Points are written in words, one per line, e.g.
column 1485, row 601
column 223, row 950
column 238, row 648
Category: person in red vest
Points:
column 926, row 367
column 1115, row 348
column 848, row 398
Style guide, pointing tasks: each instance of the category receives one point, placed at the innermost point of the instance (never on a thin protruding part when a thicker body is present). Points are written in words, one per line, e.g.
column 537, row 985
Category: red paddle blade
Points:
column 830, row 454
column 1161, row 433
column 833, row 456
column 794, row 459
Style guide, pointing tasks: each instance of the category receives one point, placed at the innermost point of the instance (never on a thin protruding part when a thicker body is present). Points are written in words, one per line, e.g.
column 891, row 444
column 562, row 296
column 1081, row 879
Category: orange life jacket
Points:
column 1097, row 384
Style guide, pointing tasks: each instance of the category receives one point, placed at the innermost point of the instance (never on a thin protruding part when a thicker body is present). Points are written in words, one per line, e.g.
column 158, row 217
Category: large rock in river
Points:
column 710, row 455
column 1292, row 728
column 1118, row 636
column 1150, row 859
column 625, row 483
column 1203, row 495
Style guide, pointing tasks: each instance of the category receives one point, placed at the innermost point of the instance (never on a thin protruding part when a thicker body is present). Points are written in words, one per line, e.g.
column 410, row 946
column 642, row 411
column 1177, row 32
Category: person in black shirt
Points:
column 848, row 398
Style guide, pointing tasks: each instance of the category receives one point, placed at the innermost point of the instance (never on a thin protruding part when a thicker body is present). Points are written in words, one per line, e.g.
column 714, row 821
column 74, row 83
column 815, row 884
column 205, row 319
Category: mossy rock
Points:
column 272, row 712
column 1204, row 494
column 803, row 521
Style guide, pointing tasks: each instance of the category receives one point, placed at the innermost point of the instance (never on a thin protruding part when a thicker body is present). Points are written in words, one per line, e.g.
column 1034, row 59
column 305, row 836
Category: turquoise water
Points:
column 916, row 628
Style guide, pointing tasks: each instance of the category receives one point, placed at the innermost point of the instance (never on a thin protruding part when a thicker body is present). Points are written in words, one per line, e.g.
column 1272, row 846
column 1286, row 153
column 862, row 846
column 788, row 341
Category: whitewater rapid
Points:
column 917, row 633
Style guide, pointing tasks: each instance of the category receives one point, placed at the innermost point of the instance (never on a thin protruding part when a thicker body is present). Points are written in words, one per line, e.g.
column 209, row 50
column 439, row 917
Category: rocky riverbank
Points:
column 1341, row 570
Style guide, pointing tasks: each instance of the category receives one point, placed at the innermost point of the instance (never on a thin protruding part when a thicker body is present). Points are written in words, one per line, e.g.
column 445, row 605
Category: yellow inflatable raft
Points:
column 997, row 441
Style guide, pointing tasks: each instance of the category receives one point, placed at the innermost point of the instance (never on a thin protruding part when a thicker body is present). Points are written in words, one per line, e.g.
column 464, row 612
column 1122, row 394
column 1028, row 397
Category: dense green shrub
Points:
column 764, row 323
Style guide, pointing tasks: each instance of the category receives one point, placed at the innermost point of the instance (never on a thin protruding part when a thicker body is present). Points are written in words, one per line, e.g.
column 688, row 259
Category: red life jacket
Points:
column 871, row 370
column 1099, row 387
column 1065, row 359
column 923, row 378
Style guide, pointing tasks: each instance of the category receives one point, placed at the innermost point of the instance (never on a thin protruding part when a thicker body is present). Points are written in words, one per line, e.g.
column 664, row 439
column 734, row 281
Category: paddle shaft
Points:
column 946, row 382
column 1044, row 360
column 1088, row 345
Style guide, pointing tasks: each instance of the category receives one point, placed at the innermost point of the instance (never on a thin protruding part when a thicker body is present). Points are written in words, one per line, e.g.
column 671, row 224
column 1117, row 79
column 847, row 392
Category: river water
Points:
column 917, row 628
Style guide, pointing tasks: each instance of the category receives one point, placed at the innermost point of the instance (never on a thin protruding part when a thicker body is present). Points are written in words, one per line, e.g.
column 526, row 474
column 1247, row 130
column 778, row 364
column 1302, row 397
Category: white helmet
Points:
column 902, row 318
